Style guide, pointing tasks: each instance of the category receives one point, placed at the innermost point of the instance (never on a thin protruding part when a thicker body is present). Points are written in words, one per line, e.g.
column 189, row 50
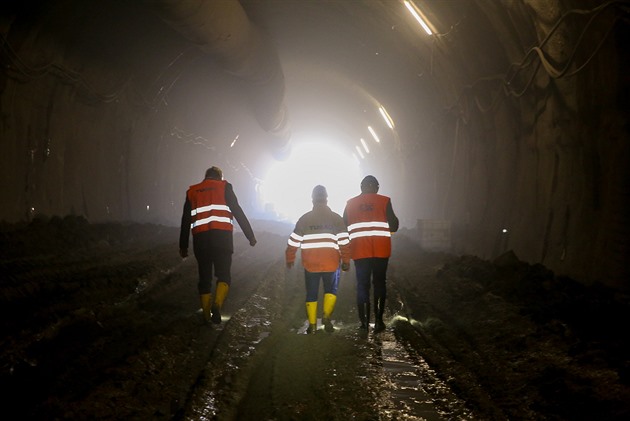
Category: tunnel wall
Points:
column 547, row 166
column 81, row 128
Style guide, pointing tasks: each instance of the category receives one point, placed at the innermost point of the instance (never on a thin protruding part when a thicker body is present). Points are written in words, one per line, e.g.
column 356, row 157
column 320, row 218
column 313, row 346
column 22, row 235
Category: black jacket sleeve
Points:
column 392, row 219
column 237, row 211
column 184, row 231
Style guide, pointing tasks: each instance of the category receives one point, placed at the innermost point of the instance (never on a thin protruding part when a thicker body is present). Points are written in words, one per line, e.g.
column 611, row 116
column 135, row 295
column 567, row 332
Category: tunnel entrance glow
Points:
column 286, row 189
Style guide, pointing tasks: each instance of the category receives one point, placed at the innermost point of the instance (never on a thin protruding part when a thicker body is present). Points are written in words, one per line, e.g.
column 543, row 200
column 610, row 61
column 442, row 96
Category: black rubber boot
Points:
column 379, row 309
column 364, row 315
column 216, row 314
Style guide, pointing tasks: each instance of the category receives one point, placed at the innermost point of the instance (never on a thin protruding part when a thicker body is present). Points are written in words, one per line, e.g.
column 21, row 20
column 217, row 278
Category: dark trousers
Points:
column 311, row 281
column 209, row 258
column 373, row 271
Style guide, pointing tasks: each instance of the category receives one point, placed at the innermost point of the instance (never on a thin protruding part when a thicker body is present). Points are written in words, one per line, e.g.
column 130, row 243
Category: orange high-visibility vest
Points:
column 208, row 208
column 322, row 237
column 369, row 231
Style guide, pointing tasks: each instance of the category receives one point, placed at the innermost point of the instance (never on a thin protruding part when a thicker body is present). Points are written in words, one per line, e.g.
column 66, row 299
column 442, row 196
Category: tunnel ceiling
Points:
column 336, row 57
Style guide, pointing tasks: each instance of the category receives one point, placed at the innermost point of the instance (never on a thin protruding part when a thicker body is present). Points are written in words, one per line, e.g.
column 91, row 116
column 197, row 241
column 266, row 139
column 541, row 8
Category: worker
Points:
column 323, row 239
column 370, row 219
column 209, row 210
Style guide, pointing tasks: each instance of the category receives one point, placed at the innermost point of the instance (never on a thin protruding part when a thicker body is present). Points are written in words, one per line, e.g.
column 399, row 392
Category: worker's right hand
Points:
column 183, row 253
column 290, row 265
column 345, row 267
column 252, row 242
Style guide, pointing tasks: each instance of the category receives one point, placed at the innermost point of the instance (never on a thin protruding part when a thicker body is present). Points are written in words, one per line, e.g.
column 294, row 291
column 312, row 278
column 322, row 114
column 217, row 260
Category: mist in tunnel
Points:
column 508, row 116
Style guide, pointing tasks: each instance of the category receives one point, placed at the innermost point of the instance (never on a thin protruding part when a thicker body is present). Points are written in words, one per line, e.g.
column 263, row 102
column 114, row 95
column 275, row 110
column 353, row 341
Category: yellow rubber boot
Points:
column 329, row 307
column 311, row 313
column 206, row 299
column 220, row 294
column 329, row 304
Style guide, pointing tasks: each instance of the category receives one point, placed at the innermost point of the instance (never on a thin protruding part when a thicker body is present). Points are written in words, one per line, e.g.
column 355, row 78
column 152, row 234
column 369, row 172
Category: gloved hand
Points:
column 290, row 265
column 252, row 242
column 345, row 267
column 183, row 253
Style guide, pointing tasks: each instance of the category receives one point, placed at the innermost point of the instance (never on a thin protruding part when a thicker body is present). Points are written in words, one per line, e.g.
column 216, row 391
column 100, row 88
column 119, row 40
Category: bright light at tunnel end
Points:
column 287, row 186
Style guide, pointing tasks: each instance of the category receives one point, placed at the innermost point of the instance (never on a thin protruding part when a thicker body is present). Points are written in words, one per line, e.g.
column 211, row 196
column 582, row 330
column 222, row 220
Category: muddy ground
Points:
column 100, row 321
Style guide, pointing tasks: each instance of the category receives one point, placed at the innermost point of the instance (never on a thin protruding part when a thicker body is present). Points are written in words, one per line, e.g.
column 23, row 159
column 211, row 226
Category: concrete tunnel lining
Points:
column 547, row 161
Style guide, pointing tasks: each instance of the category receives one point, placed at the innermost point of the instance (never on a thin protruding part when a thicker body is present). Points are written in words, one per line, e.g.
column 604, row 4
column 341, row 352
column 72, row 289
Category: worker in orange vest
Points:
column 323, row 239
column 370, row 219
column 209, row 209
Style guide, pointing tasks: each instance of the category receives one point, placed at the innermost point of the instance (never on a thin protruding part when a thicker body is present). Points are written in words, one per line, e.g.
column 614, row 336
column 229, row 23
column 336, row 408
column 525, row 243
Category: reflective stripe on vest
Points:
column 343, row 238
column 369, row 229
column 209, row 219
column 209, row 208
column 315, row 241
column 321, row 252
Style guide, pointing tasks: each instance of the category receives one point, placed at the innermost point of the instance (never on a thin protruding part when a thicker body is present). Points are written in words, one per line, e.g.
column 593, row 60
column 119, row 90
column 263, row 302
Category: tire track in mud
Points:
column 434, row 335
column 436, row 327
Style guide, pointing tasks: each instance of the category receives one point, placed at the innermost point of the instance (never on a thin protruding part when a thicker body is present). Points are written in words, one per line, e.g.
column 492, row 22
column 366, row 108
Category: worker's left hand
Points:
column 290, row 265
column 345, row 267
column 252, row 242
column 183, row 253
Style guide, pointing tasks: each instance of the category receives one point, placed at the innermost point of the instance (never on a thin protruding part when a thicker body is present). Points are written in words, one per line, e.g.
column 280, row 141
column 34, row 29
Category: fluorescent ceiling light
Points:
column 365, row 146
column 374, row 134
column 386, row 117
column 360, row 152
column 413, row 9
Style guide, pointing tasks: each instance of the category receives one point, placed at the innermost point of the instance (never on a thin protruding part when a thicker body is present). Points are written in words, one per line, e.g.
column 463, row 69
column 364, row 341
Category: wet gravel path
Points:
column 275, row 371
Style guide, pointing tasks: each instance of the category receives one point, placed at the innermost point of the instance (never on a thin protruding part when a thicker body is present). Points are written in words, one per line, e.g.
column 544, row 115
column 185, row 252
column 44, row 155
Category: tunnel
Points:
column 499, row 129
